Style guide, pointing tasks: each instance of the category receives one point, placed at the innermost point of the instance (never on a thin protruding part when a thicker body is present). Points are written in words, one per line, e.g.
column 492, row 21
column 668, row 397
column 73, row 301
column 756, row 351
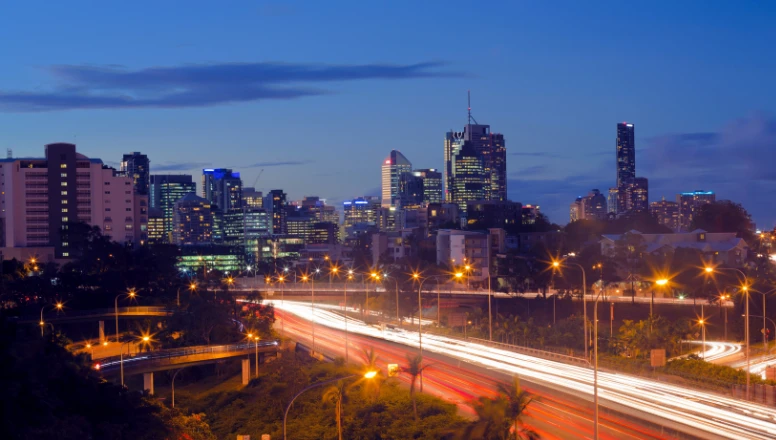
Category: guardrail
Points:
column 123, row 311
column 160, row 356
column 544, row 354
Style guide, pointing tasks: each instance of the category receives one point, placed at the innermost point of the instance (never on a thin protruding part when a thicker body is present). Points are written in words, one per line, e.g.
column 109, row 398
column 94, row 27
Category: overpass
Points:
column 88, row 315
column 148, row 362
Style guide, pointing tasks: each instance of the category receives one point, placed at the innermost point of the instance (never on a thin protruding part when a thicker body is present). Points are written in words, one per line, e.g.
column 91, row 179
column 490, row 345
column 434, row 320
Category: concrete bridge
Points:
column 88, row 315
column 146, row 363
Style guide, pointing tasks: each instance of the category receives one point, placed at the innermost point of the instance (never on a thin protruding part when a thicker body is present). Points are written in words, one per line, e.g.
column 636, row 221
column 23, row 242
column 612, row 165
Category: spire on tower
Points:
column 469, row 101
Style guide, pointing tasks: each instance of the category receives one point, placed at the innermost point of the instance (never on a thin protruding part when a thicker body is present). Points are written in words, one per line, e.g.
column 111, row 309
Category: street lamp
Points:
column 311, row 278
column 256, row 339
column 58, row 306
column 145, row 340
column 722, row 298
column 557, row 264
column 745, row 290
column 367, row 375
column 130, row 294
column 348, row 279
column 702, row 323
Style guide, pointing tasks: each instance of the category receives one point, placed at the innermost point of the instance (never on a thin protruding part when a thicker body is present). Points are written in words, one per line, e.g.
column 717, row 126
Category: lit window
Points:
column 64, row 193
column 65, row 254
column 64, row 244
column 64, row 201
column 65, row 219
column 63, row 183
column 63, row 165
column 64, row 209
column 63, row 175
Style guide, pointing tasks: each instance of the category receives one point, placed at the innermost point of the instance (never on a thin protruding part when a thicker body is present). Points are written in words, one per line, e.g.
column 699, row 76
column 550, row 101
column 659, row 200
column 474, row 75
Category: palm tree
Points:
column 517, row 400
column 492, row 423
column 415, row 368
column 371, row 365
column 336, row 394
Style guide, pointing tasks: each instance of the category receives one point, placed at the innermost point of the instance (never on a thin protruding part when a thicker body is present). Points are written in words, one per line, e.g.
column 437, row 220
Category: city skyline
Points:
column 559, row 130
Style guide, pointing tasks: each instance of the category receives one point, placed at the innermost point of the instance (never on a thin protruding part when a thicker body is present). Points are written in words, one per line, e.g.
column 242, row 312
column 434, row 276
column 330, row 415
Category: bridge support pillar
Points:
column 148, row 382
column 246, row 371
column 102, row 332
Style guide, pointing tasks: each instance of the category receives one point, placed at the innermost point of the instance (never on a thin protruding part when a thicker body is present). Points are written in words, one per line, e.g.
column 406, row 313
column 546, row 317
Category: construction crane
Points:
column 257, row 178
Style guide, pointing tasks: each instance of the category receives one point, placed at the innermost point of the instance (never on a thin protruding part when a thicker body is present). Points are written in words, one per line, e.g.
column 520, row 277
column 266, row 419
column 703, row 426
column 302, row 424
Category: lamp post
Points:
column 173, row 385
column 702, row 323
column 144, row 339
column 42, row 323
column 772, row 322
column 745, row 291
column 256, row 339
column 367, row 375
column 130, row 294
column 348, row 279
column 659, row 282
column 282, row 281
column 722, row 298
column 584, row 298
column 490, row 313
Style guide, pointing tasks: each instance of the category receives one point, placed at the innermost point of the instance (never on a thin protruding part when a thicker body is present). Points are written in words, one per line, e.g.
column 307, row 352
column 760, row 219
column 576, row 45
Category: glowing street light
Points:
column 131, row 294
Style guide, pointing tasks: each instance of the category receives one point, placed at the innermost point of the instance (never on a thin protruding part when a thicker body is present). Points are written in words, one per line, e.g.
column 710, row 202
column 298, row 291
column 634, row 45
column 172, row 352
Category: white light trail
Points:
column 712, row 415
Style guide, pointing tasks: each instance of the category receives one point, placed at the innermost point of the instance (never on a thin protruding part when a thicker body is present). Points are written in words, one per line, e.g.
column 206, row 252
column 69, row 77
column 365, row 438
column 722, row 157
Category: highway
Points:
column 695, row 413
column 447, row 378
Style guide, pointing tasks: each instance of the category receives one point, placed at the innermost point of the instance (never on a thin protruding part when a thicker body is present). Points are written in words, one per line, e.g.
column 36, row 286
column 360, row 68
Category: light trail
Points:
column 710, row 414
column 717, row 350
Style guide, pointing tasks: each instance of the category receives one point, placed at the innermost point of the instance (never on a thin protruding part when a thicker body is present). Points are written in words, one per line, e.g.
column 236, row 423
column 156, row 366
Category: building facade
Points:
column 41, row 199
column 222, row 187
column 689, row 204
column 626, row 162
column 137, row 166
column 490, row 148
column 393, row 169
column 666, row 213
column 275, row 203
column 469, row 177
column 432, row 185
column 194, row 220
column 166, row 189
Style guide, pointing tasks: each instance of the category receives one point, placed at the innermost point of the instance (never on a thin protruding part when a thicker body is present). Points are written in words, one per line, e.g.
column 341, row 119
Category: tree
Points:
column 517, row 401
column 724, row 216
column 492, row 421
column 335, row 394
column 415, row 368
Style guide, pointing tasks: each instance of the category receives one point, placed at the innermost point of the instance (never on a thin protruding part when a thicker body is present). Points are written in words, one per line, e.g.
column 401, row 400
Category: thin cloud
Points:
column 279, row 164
column 533, row 154
column 112, row 87
column 180, row 166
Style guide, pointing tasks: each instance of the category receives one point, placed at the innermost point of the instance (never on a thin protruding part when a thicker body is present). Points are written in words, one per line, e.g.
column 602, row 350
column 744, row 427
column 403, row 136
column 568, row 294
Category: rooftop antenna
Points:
column 469, row 100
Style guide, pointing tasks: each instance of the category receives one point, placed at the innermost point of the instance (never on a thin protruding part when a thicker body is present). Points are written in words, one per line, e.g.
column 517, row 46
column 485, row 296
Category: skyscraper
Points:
column 166, row 189
column 626, row 162
column 392, row 169
column 222, row 187
column 637, row 195
column 490, row 147
column 137, row 166
column 469, row 177
column 193, row 221
column 432, row 184
column 275, row 204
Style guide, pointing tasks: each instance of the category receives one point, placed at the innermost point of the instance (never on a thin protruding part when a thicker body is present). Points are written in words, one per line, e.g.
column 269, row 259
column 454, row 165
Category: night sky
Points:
column 318, row 93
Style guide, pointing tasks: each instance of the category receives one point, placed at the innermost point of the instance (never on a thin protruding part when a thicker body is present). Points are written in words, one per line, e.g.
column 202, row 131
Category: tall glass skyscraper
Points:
column 222, row 187
column 469, row 177
column 392, row 169
column 626, row 163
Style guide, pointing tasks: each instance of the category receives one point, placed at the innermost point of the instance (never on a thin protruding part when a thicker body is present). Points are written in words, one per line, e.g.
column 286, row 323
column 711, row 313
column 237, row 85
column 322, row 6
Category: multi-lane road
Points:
column 696, row 413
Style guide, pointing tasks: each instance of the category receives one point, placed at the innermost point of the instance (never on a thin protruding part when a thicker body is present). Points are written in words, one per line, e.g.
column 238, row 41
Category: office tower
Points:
column 432, row 185
column 689, row 204
column 156, row 234
column 193, row 221
column 360, row 210
column 389, row 218
column 275, row 204
column 484, row 214
column 410, row 190
column 42, row 198
column 392, row 169
column 252, row 198
column 626, row 162
column 666, row 213
column 575, row 210
column 300, row 226
column 222, row 187
column 593, row 206
column 166, row 189
column 491, row 147
column 637, row 195
column 137, row 166
column 469, row 178
column 324, row 233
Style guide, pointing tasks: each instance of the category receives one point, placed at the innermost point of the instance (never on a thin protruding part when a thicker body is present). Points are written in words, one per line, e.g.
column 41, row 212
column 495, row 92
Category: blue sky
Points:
column 318, row 93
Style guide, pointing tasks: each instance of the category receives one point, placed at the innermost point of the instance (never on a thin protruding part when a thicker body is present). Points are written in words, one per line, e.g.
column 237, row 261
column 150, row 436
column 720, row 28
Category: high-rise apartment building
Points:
column 666, row 213
column 222, row 187
column 166, row 189
column 469, row 177
column 411, row 190
column 193, row 221
column 393, row 168
column 689, row 204
column 275, row 203
column 137, row 166
column 41, row 199
column 591, row 207
column 637, row 195
column 612, row 199
column 432, row 185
